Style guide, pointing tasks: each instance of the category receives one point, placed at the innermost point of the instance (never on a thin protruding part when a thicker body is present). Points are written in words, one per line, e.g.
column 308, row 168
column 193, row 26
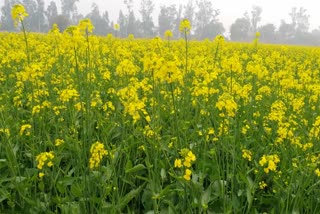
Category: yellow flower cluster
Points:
column 262, row 185
column 315, row 130
column 86, row 26
column 58, row 142
column 270, row 161
column 97, row 151
column 44, row 158
column 186, row 161
column 5, row 131
column 18, row 13
column 247, row 154
column 168, row 34
column 185, row 26
column 25, row 129
column 227, row 104
column 68, row 94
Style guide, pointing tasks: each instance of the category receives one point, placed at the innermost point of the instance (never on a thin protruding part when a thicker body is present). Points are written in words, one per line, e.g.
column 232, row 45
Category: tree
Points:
column 122, row 23
column 69, row 10
column 51, row 13
column 146, row 9
column 106, row 19
column 255, row 18
column 240, row 28
column 189, row 11
column 167, row 18
column 100, row 23
column 212, row 30
column 267, row 33
column 205, row 17
column 295, row 32
column 41, row 17
column 62, row 21
column 299, row 19
column 6, row 20
column 176, row 30
column 286, row 32
column 132, row 24
column 31, row 22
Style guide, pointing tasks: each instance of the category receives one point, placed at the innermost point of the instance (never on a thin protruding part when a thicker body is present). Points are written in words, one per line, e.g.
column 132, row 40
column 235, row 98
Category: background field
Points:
column 105, row 125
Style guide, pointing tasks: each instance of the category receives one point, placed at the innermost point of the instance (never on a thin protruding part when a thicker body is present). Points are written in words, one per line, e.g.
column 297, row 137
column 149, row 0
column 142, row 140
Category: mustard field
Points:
column 107, row 125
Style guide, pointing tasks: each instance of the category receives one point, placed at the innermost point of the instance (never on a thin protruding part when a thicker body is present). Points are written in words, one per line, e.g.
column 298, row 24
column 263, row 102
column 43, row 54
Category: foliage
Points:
column 106, row 125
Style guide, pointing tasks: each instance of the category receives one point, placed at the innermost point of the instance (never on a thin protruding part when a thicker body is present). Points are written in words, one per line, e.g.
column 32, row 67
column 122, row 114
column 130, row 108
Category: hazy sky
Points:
column 230, row 10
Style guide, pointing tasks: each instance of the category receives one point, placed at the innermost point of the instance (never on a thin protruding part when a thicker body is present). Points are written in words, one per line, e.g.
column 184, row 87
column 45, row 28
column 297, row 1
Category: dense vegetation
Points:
column 106, row 125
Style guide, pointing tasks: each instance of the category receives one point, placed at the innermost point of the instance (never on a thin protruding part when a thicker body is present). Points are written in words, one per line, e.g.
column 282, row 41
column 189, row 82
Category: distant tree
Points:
column 51, row 13
column 62, row 21
column 106, row 19
column 41, row 17
column 189, row 11
column 167, row 18
column 212, row 30
column 286, row 32
column 97, row 21
column 176, row 30
column 146, row 10
column 255, row 18
column 240, row 28
column 69, row 10
column 315, row 37
column 122, row 21
column 132, row 24
column 267, row 33
column 6, row 20
column 299, row 19
column 31, row 22
column 206, row 19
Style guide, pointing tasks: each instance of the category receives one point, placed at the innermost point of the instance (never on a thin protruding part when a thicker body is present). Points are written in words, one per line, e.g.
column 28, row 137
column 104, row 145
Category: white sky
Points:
column 230, row 10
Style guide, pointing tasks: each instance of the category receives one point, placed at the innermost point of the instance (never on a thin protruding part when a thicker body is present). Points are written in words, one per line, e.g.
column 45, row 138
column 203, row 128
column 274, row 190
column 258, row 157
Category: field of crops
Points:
column 106, row 125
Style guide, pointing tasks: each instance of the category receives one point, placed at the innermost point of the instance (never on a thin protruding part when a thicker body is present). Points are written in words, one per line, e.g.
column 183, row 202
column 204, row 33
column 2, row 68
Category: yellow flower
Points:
column 187, row 174
column 58, row 142
column 247, row 154
column 18, row 13
column 41, row 174
column 116, row 27
column 271, row 161
column 191, row 156
column 45, row 158
column 178, row 163
column 5, row 131
column 185, row 26
column 262, row 185
column 317, row 171
column 55, row 29
column 187, row 162
column 97, row 152
column 25, row 129
column 168, row 34
column 86, row 26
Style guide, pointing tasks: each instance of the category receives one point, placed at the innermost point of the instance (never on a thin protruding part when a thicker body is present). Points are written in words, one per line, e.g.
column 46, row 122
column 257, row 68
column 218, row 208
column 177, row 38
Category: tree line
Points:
column 201, row 13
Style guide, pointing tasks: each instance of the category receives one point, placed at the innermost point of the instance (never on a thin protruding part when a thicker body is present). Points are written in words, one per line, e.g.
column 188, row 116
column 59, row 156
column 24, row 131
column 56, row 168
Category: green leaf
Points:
column 128, row 165
column 205, row 197
column 76, row 190
column 128, row 197
column 3, row 194
column 136, row 168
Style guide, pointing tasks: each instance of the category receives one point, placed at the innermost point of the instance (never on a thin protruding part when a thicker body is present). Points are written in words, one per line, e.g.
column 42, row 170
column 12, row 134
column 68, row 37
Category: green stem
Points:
column 26, row 41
